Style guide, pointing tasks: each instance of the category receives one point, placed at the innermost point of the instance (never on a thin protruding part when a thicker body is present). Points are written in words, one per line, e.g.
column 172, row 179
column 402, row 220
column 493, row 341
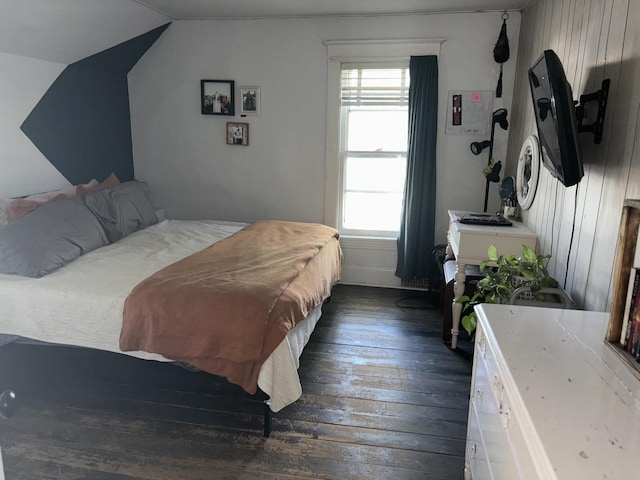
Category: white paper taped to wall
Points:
column 469, row 112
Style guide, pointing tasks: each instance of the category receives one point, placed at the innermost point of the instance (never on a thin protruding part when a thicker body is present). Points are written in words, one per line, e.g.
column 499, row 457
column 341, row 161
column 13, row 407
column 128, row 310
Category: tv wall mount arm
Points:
column 599, row 96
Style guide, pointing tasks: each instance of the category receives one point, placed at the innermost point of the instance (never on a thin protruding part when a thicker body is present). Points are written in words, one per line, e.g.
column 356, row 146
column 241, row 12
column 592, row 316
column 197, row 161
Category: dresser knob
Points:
column 497, row 385
column 482, row 345
column 478, row 395
column 472, row 450
column 506, row 417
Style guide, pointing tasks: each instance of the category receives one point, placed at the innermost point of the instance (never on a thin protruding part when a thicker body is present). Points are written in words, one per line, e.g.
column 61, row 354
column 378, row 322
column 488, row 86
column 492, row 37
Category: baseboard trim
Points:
column 369, row 276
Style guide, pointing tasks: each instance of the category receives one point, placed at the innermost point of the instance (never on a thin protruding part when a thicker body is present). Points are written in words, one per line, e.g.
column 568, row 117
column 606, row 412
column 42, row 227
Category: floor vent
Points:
column 417, row 283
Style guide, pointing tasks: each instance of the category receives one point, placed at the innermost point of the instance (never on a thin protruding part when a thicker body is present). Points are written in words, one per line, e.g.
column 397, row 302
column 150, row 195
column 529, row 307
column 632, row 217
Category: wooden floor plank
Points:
column 225, row 445
column 383, row 398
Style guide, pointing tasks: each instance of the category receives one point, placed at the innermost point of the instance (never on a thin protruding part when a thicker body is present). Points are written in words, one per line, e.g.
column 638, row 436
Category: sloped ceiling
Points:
column 65, row 31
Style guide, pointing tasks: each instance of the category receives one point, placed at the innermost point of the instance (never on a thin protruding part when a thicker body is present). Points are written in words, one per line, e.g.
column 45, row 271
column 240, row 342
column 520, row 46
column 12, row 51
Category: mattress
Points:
column 81, row 304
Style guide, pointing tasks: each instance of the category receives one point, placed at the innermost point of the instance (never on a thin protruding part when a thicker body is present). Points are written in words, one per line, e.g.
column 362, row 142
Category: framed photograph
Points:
column 217, row 97
column 237, row 133
column 249, row 100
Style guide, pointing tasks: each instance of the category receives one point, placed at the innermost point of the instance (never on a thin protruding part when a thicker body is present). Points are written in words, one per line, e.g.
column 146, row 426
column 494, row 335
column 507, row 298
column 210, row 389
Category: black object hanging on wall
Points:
column 501, row 51
column 492, row 171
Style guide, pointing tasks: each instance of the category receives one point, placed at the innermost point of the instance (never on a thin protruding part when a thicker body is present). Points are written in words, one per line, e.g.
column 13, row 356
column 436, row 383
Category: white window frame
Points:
column 344, row 152
column 376, row 52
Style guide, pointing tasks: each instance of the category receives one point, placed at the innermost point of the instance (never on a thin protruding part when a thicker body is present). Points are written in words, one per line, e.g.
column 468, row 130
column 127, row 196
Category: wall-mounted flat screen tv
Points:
column 556, row 119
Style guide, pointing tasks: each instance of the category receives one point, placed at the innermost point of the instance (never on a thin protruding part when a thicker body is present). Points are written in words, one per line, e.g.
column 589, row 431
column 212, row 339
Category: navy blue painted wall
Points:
column 82, row 124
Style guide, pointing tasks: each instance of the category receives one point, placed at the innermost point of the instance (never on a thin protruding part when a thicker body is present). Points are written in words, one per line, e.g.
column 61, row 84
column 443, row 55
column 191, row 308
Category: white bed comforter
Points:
column 81, row 304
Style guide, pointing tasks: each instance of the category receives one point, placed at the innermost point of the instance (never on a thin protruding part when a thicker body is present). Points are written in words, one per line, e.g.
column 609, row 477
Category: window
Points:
column 373, row 147
column 353, row 130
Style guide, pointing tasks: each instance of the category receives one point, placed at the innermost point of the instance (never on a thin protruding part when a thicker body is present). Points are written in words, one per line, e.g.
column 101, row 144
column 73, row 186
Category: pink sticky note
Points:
column 476, row 97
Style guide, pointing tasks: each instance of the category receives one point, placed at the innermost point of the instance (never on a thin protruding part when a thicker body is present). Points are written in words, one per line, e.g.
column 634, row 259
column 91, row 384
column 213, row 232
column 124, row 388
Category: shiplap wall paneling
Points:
column 570, row 217
column 595, row 39
column 615, row 154
column 631, row 70
column 590, row 192
column 630, row 79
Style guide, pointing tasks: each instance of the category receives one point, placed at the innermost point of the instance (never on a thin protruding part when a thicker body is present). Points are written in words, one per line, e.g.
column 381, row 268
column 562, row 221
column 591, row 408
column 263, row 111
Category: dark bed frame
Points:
column 9, row 402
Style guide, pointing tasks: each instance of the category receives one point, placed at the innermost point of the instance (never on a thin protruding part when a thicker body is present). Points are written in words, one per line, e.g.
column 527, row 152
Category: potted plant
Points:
column 512, row 276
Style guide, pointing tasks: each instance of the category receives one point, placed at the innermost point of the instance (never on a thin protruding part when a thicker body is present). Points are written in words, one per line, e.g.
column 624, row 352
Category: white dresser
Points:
column 549, row 399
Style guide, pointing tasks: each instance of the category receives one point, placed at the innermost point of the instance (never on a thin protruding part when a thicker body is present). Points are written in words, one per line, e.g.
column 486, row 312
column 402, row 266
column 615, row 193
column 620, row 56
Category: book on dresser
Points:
column 623, row 326
column 630, row 333
column 630, row 306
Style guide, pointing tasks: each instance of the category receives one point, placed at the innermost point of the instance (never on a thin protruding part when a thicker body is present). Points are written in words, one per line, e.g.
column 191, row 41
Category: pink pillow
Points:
column 5, row 203
column 110, row 181
column 21, row 206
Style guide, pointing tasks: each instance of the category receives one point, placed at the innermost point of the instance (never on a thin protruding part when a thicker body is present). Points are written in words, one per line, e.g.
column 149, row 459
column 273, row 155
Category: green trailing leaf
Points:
column 507, row 274
column 463, row 299
column 528, row 254
column 529, row 275
column 469, row 322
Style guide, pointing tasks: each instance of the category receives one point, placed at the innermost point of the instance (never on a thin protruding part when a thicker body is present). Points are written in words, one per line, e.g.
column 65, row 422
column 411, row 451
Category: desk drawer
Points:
column 471, row 242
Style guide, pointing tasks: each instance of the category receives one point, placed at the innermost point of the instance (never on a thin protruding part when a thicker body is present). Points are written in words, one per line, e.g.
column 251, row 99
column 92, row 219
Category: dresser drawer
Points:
column 476, row 464
column 518, row 463
column 487, row 400
column 491, row 390
column 512, row 425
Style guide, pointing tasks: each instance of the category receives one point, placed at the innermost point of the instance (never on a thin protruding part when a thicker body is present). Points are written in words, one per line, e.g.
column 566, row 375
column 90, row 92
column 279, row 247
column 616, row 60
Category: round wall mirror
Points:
column 528, row 171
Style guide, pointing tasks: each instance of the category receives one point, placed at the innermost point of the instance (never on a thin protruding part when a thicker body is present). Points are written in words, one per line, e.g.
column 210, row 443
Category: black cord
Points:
column 431, row 306
column 553, row 223
column 573, row 231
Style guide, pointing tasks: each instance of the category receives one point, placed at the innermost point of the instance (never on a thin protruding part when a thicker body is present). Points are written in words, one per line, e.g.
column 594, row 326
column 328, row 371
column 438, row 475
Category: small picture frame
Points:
column 249, row 100
column 237, row 133
column 217, row 97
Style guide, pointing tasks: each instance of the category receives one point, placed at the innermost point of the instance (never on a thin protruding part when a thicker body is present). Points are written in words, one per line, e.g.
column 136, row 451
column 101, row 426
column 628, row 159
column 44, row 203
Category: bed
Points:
column 82, row 303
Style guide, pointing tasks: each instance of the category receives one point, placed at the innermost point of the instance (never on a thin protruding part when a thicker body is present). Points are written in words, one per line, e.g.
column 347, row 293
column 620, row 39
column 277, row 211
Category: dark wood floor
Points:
column 383, row 399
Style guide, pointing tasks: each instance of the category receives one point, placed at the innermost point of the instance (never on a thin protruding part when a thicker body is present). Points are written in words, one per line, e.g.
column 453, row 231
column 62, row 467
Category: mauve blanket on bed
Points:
column 226, row 308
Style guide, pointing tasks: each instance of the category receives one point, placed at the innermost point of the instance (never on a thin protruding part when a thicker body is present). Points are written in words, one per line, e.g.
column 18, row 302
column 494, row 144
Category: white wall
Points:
column 24, row 169
column 38, row 39
column 194, row 174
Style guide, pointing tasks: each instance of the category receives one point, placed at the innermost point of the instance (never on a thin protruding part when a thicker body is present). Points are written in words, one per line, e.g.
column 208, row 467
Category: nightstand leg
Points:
column 456, row 308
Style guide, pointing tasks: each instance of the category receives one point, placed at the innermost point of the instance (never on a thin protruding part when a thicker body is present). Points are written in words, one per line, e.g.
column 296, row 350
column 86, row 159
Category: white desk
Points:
column 550, row 400
column 470, row 243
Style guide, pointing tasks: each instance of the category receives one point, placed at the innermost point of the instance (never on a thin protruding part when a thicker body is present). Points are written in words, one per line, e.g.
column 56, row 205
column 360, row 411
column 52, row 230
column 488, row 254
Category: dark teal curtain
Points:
column 417, row 229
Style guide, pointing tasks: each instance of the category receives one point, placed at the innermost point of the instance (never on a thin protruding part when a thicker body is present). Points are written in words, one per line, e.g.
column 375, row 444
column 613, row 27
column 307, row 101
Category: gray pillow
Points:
column 122, row 209
column 49, row 238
